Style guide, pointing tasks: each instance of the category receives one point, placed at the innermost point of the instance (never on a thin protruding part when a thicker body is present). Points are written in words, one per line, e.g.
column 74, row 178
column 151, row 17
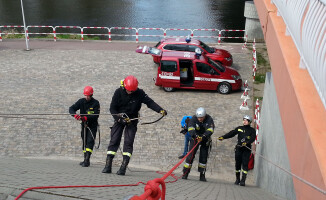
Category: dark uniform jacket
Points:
column 122, row 102
column 204, row 129
column 245, row 134
column 87, row 107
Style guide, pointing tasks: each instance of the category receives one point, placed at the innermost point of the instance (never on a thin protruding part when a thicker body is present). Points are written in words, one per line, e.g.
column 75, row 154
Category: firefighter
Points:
column 87, row 106
column 125, row 105
column 201, row 127
column 246, row 136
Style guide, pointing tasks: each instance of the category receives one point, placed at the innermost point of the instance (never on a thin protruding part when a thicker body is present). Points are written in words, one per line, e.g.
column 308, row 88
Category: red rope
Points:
column 152, row 189
column 74, row 186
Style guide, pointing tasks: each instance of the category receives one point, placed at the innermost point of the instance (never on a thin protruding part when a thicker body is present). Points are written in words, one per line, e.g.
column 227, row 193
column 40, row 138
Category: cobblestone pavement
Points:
column 51, row 77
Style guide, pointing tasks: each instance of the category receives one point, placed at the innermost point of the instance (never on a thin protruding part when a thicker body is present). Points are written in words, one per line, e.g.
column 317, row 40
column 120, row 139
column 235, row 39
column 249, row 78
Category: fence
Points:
column 127, row 32
column 306, row 23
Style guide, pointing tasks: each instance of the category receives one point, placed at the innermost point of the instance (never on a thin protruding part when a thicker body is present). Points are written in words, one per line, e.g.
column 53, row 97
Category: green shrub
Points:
column 260, row 78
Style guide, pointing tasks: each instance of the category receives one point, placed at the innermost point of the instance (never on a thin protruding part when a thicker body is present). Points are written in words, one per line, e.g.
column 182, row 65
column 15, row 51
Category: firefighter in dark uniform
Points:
column 246, row 136
column 87, row 106
column 125, row 105
column 201, row 127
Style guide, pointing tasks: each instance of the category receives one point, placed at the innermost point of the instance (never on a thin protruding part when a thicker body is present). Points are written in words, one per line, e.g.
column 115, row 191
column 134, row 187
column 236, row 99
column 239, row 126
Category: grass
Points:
column 261, row 60
column 260, row 78
column 259, row 98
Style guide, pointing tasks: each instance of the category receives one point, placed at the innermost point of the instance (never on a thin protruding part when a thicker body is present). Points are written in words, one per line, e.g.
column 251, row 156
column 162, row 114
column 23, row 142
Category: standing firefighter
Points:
column 201, row 127
column 126, row 103
column 87, row 107
column 246, row 136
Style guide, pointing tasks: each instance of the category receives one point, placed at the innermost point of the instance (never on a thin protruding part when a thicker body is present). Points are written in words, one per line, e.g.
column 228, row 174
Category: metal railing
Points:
column 306, row 23
column 126, row 32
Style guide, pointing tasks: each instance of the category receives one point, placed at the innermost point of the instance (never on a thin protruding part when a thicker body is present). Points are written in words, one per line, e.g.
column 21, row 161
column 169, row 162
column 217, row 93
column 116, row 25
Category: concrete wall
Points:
column 302, row 112
column 272, row 146
column 253, row 28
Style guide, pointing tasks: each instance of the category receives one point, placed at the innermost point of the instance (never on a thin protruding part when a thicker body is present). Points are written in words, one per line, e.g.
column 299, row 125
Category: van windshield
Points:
column 206, row 47
column 216, row 65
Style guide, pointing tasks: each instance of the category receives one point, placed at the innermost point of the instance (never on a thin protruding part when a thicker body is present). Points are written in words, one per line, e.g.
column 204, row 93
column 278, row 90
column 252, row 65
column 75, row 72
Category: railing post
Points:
column 109, row 34
column 136, row 35
column 219, row 38
column 82, row 34
column 54, row 34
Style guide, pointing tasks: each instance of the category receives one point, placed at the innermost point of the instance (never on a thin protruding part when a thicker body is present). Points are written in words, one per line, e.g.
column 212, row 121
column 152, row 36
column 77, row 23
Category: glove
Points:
column 199, row 139
column 77, row 117
column 184, row 131
column 220, row 138
column 244, row 144
column 163, row 112
column 84, row 119
column 124, row 121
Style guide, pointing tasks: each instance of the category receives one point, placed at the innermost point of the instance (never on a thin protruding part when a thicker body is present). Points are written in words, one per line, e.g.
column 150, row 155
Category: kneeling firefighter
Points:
column 125, row 105
column 201, row 127
column 89, row 113
column 246, row 136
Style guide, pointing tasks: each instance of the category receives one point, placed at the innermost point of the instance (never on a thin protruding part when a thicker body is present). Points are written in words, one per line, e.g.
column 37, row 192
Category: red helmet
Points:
column 131, row 83
column 88, row 91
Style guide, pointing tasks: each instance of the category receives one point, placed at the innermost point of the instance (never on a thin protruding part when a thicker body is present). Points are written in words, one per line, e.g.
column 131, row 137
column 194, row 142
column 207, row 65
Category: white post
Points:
column 21, row 3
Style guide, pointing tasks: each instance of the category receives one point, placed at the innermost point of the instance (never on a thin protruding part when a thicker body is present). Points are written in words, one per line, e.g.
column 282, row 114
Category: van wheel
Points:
column 224, row 88
column 168, row 89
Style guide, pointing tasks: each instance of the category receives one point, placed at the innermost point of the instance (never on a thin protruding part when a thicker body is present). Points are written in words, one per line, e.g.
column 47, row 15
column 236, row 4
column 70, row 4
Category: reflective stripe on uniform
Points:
column 111, row 153
column 237, row 171
column 90, row 150
column 126, row 154
column 240, row 130
column 90, row 112
column 245, row 172
column 210, row 129
column 201, row 165
column 84, row 151
column 187, row 165
column 191, row 128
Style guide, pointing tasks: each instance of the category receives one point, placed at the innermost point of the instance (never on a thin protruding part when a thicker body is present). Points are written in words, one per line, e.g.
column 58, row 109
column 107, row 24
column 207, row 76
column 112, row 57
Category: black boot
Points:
column 202, row 177
column 123, row 167
column 108, row 164
column 237, row 180
column 243, row 180
column 81, row 163
column 86, row 161
column 186, row 172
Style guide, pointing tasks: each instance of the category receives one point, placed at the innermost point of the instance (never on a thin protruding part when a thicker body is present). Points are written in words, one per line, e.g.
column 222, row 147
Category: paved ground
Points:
column 51, row 77
column 19, row 174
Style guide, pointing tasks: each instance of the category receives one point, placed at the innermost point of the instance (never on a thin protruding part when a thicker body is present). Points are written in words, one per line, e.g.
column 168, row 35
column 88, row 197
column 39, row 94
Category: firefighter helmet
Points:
column 88, row 91
column 130, row 83
column 247, row 117
column 201, row 112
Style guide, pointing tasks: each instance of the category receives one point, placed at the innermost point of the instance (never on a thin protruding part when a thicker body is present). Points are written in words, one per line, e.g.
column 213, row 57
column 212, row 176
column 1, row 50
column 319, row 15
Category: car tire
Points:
column 168, row 89
column 224, row 88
